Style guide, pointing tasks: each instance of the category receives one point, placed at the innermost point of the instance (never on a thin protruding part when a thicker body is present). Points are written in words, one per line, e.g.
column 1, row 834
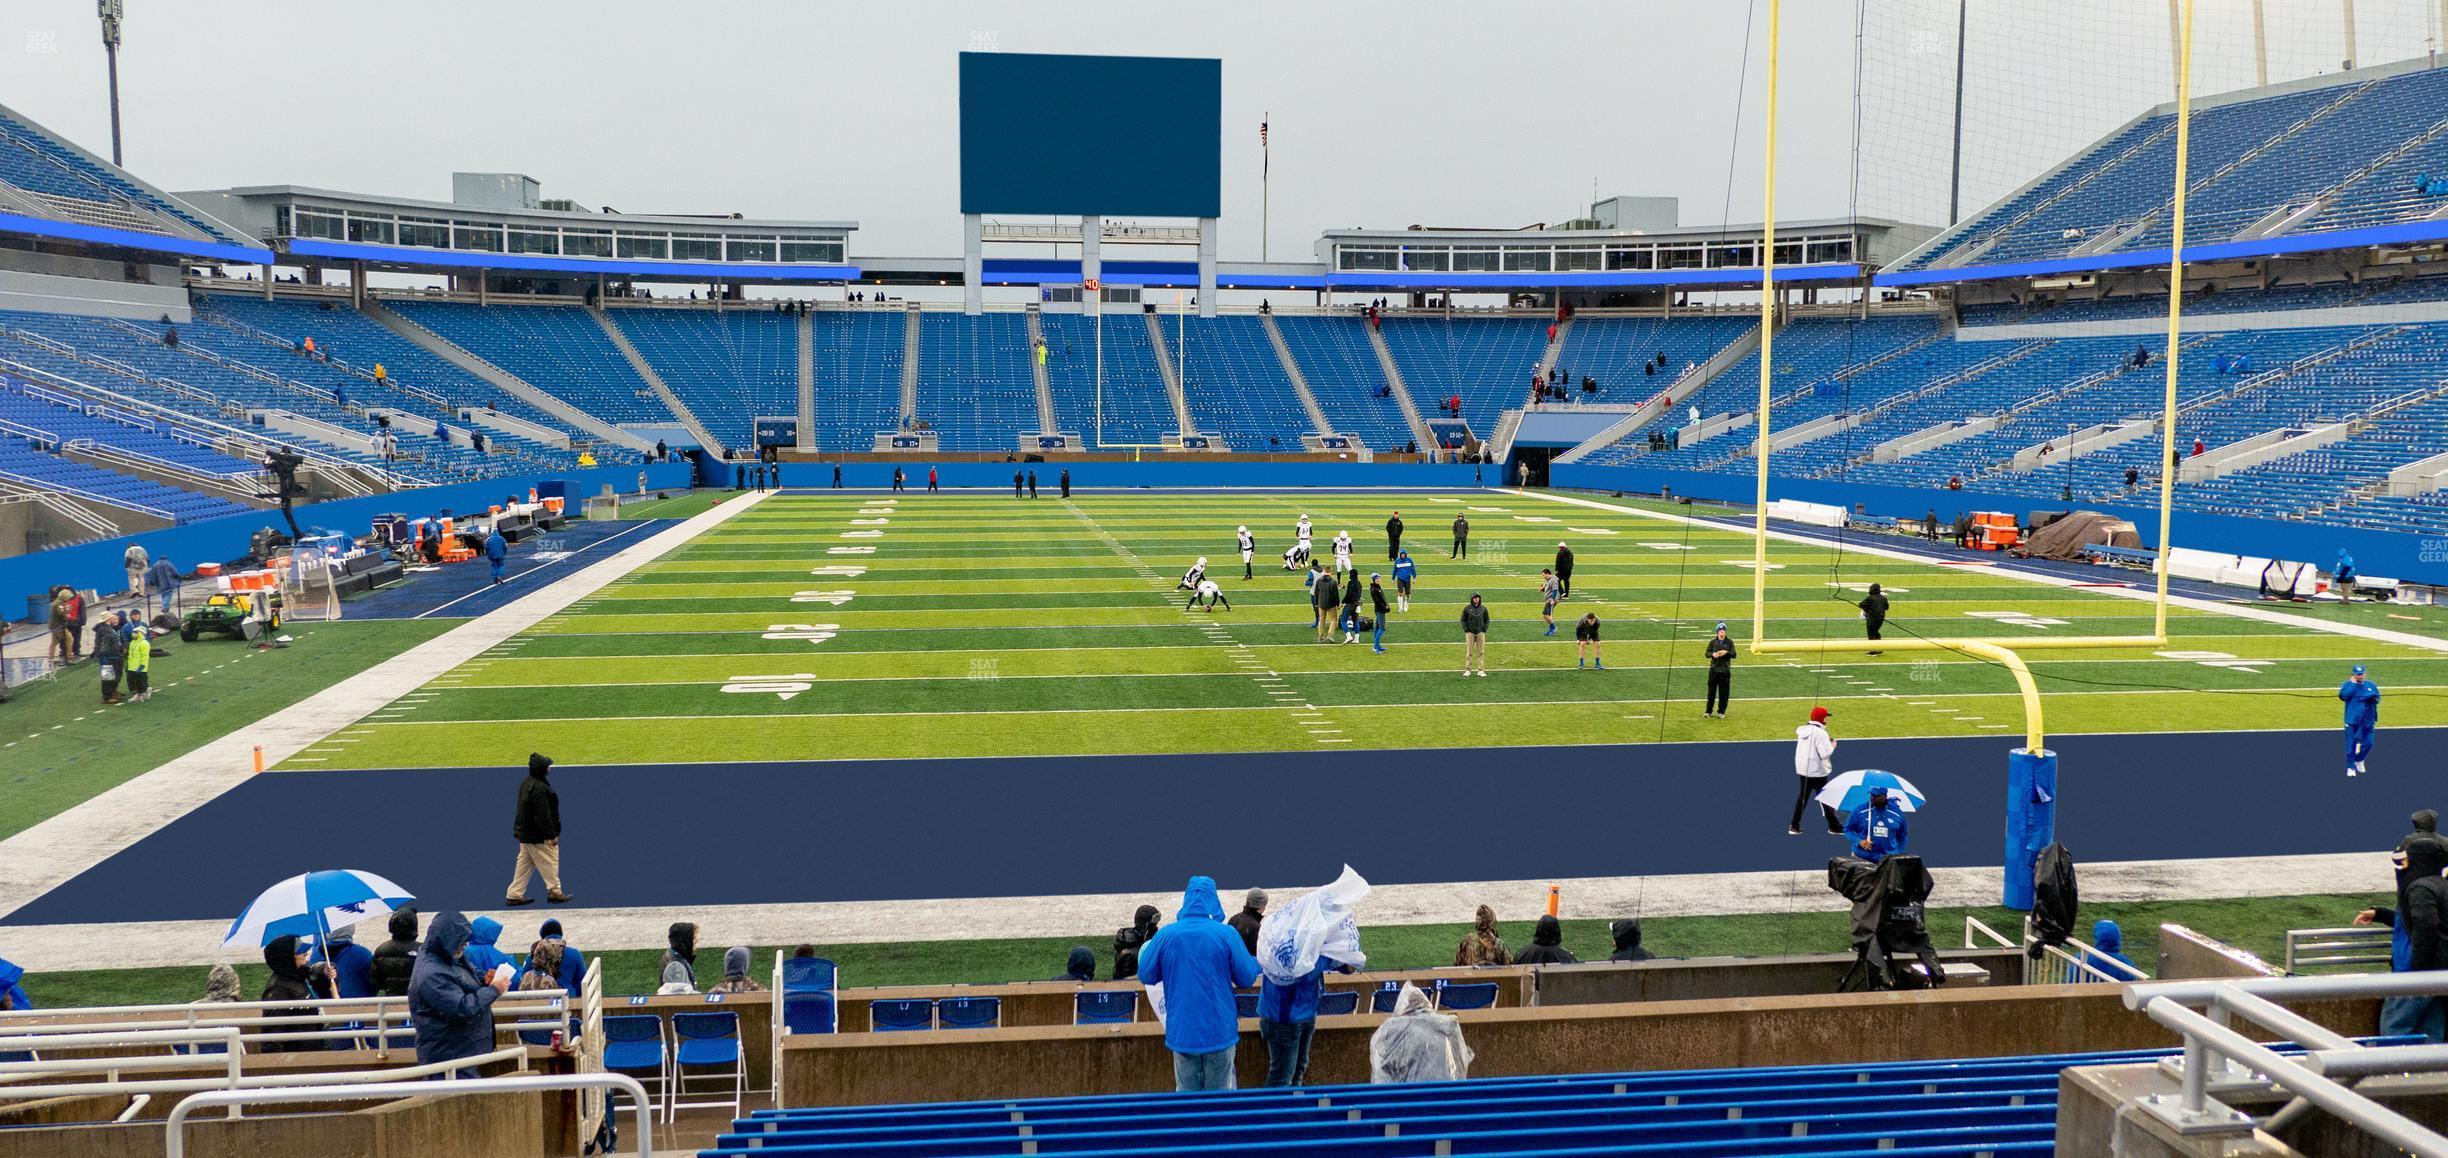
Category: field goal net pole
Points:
column 2031, row 771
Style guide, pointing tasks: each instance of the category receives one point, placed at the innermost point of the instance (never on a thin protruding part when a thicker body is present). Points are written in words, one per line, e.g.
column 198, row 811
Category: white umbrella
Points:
column 309, row 905
column 1848, row 791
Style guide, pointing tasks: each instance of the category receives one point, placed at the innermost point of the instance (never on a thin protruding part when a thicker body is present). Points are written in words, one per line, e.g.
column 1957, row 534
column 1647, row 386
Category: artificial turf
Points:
column 968, row 624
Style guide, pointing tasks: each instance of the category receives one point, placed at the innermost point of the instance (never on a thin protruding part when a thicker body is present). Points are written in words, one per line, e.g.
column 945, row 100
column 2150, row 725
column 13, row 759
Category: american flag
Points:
column 1262, row 130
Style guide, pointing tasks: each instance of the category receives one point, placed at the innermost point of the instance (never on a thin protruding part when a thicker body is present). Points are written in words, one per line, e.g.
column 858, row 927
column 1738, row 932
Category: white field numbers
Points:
column 785, row 686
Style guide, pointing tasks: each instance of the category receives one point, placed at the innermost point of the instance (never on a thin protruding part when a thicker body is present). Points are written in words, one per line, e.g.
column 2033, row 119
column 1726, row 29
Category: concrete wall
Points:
column 1061, row 1061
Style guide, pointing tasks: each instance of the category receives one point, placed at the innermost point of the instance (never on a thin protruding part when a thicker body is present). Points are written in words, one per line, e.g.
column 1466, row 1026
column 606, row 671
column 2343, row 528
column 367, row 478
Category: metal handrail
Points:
column 2357, row 946
column 2211, row 1046
column 239, row 1081
column 175, row 1144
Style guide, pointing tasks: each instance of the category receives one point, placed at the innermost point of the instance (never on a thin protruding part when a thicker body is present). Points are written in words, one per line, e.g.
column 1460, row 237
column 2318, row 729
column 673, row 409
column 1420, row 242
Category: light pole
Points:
column 112, row 12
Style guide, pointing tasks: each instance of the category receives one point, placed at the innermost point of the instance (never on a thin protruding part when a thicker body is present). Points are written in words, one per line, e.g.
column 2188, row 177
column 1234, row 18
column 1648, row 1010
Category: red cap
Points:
column 1819, row 715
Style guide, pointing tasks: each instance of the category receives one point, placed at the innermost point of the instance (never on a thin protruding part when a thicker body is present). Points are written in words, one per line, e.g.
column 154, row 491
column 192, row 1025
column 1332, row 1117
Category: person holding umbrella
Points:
column 285, row 956
column 452, row 1007
column 1876, row 828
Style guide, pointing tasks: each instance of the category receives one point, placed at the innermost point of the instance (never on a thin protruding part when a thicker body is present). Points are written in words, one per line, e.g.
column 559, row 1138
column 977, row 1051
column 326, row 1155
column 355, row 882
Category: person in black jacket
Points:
column 1546, row 945
column 1461, row 543
column 1394, row 536
column 1128, row 941
column 1377, row 603
column 291, row 982
column 1474, row 636
column 1720, row 674
column 537, row 827
column 1324, row 599
column 1627, row 934
column 395, row 959
column 1563, row 569
column 1874, row 611
column 1351, row 607
column 1252, row 914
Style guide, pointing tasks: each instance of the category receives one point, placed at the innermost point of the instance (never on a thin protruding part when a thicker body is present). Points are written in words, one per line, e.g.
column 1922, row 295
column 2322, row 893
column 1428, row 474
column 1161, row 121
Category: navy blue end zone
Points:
column 771, row 833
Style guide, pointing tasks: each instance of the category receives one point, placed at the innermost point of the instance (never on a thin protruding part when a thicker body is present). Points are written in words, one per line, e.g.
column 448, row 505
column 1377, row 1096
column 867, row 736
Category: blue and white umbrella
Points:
column 1848, row 791
column 313, row 904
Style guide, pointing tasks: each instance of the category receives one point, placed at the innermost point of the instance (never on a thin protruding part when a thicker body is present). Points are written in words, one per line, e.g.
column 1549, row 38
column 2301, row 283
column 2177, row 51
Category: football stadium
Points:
column 1817, row 580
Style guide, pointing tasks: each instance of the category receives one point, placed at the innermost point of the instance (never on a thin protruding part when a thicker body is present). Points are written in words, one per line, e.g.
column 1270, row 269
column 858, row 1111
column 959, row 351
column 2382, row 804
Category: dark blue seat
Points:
column 1106, row 1007
column 808, row 975
column 1245, row 1004
column 1466, row 995
column 809, row 1013
column 708, row 1041
column 633, row 1045
column 895, row 1014
column 1382, row 1000
column 969, row 1012
column 1334, row 1002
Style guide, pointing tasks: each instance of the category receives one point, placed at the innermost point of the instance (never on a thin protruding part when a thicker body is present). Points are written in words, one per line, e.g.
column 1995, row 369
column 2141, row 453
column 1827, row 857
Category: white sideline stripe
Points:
column 47, row 855
column 2150, row 595
column 43, row 948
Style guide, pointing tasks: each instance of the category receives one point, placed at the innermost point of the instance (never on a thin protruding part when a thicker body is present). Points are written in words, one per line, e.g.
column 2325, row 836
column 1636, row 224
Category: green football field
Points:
column 838, row 626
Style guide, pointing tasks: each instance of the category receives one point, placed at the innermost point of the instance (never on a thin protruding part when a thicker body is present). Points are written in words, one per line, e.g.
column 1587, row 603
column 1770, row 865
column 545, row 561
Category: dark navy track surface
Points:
column 465, row 590
column 769, row 833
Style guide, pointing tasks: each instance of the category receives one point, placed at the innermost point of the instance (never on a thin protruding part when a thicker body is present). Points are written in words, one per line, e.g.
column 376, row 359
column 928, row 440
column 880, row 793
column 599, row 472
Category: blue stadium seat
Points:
column 707, row 1041
column 1108, row 1007
column 633, row 1045
column 968, row 1012
column 1245, row 1004
column 809, row 1012
column 1334, row 1002
column 1465, row 995
column 897, row 1014
column 809, row 975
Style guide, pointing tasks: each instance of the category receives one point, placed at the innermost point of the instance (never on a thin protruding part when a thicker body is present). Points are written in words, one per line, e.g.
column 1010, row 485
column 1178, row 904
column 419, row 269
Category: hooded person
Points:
column 736, row 962
column 537, row 828
column 2418, row 858
column 1627, row 934
column 12, row 987
column 1876, row 830
column 1199, row 961
column 484, row 945
column 352, row 964
column 1080, row 965
column 680, row 959
column 449, row 1003
column 286, row 958
column 221, row 984
column 1252, row 915
column 1130, row 939
column 1546, row 945
column 2108, row 944
column 1483, row 945
column 1418, row 1044
column 542, row 969
column 395, row 960
column 1874, row 612
column 571, row 973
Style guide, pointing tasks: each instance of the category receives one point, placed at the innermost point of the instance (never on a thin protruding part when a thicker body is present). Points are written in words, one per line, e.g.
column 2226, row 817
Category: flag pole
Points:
column 1266, row 170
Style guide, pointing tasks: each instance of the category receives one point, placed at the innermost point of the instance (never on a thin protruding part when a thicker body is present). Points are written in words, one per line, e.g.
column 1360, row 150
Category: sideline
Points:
column 49, row 854
column 55, row 948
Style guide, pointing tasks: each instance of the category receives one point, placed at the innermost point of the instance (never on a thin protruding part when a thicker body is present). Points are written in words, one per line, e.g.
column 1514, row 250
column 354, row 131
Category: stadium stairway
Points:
column 1985, row 1106
column 563, row 413
column 654, row 380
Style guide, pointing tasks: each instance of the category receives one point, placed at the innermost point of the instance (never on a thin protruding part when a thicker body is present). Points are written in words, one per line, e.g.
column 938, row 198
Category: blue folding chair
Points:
column 633, row 1045
column 1105, row 1007
column 809, row 1013
column 706, row 1041
column 1382, row 1001
column 808, row 975
column 1338, row 1001
column 969, row 1013
column 896, row 1014
column 1245, row 1004
column 1466, row 995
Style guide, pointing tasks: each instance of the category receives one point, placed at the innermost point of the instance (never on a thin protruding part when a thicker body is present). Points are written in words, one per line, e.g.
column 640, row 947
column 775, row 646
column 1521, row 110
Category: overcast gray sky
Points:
column 1384, row 114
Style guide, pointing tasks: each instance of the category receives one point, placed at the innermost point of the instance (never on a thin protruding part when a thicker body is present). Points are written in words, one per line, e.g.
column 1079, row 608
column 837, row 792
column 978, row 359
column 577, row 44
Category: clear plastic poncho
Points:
column 1418, row 1044
column 1318, row 926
